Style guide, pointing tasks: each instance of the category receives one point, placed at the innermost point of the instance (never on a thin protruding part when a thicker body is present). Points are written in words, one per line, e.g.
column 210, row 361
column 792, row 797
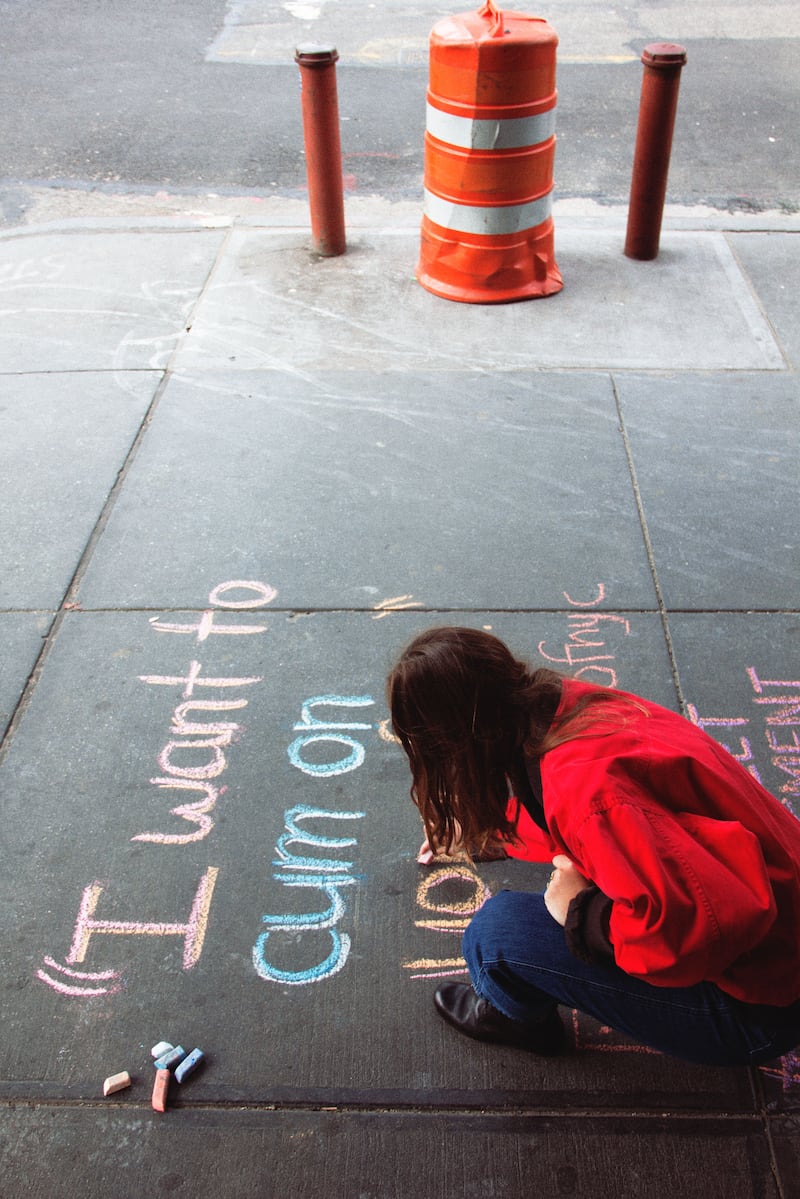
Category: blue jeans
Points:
column 518, row 960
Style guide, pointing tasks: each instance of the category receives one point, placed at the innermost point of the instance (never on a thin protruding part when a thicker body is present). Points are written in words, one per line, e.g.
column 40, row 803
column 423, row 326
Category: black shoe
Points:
column 475, row 1017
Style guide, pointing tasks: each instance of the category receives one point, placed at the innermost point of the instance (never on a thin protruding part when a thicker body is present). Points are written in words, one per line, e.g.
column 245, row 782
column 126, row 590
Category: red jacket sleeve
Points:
column 690, row 894
column 532, row 843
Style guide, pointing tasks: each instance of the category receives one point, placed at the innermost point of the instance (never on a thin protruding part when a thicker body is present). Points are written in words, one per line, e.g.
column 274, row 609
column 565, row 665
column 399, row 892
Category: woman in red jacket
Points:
column 673, row 910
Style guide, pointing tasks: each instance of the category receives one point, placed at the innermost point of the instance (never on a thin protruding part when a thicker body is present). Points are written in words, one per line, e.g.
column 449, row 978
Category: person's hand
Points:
column 493, row 852
column 566, row 882
column 426, row 853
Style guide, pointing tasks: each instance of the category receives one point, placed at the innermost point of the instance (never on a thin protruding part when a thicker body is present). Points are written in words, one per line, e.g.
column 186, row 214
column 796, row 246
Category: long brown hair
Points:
column 466, row 712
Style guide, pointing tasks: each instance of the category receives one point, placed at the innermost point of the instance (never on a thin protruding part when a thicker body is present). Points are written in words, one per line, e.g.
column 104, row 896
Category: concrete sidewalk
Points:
column 236, row 480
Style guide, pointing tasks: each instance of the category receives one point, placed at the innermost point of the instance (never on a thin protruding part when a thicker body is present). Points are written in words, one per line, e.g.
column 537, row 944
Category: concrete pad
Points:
column 350, row 490
column 124, row 1151
column 740, row 676
column 270, row 304
column 130, row 916
column 772, row 262
column 63, row 440
column 737, row 673
column 21, row 635
column 99, row 301
column 786, row 1142
column 717, row 465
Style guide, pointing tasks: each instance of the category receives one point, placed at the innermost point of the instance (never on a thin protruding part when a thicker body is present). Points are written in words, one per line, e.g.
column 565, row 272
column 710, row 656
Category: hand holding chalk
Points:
column 426, row 855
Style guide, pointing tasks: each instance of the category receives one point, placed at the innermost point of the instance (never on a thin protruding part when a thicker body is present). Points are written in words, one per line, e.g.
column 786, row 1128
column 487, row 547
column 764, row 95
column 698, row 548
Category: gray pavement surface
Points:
column 236, row 479
column 200, row 95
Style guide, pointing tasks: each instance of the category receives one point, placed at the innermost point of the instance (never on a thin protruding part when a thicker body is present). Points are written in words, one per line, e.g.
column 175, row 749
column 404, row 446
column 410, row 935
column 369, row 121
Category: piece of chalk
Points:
column 426, row 857
column 160, row 1089
column 168, row 1060
column 161, row 1048
column 189, row 1064
column 117, row 1082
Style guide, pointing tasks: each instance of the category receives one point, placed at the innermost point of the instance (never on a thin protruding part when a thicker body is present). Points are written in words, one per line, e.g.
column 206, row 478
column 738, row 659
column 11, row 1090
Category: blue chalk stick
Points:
column 189, row 1064
column 170, row 1059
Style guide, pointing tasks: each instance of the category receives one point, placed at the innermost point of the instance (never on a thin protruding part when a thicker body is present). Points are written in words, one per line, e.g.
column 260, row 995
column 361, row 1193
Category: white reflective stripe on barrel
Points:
column 511, row 133
column 494, row 220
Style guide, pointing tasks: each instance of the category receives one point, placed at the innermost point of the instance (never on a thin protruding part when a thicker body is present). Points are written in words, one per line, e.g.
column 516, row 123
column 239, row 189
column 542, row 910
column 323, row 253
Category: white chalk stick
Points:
column 117, row 1082
column 160, row 1049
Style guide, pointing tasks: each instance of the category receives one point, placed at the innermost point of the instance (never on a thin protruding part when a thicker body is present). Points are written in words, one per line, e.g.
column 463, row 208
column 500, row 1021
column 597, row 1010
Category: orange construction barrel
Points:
column 487, row 229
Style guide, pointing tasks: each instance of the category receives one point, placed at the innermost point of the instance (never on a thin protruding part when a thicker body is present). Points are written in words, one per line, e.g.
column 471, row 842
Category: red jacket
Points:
column 701, row 863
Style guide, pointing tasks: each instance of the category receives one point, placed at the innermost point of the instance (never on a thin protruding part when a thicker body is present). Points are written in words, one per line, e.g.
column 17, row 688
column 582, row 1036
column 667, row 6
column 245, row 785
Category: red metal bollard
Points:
column 663, row 63
column 323, row 147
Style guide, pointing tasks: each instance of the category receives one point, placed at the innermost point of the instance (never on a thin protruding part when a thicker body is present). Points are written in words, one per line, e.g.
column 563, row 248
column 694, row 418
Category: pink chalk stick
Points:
column 160, row 1089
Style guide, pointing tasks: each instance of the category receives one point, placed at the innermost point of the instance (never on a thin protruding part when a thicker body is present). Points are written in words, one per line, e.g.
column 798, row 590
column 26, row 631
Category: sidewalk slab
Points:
column 99, row 301
column 124, row 1151
column 447, row 490
column 786, row 1140
column 63, row 439
column 773, row 266
column 291, row 1008
column 270, row 305
column 716, row 463
column 21, row 635
column 207, row 828
column 740, row 674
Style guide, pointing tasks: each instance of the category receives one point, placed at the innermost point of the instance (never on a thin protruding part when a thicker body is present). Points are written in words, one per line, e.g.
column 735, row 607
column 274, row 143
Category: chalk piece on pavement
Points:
column 189, row 1064
column 161, row 1048
column 117, row 1082
column 160, row 1089
column 170, row 1059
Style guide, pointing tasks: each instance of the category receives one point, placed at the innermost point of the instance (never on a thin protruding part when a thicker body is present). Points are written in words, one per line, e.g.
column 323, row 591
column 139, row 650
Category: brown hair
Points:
column 466, row 711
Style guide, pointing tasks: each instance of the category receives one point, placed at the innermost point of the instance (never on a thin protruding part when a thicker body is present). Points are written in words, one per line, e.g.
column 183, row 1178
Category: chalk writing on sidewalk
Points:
column 767, row 737
column 84, row 983
column 194, row 754
column 312, row 871
column 773, row 725
column 397, row 603
column 788, row 1072
column 323, row 732
column 328, row 875
column 586, row 654
column 444, row 912
column 46, row 269
column 193, row 930
column 178, row 759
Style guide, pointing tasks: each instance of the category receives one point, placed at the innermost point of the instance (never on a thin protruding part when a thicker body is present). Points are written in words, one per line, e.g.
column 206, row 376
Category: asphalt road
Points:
column 199, row 95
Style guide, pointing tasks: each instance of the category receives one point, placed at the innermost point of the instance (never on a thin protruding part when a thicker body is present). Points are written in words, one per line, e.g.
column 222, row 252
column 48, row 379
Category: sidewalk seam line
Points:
column 637, row 495
column 70, row 595
column 133, row 452
column 62, row 611
column 726, row 236
column 762, row 1109
column 234, row 1106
